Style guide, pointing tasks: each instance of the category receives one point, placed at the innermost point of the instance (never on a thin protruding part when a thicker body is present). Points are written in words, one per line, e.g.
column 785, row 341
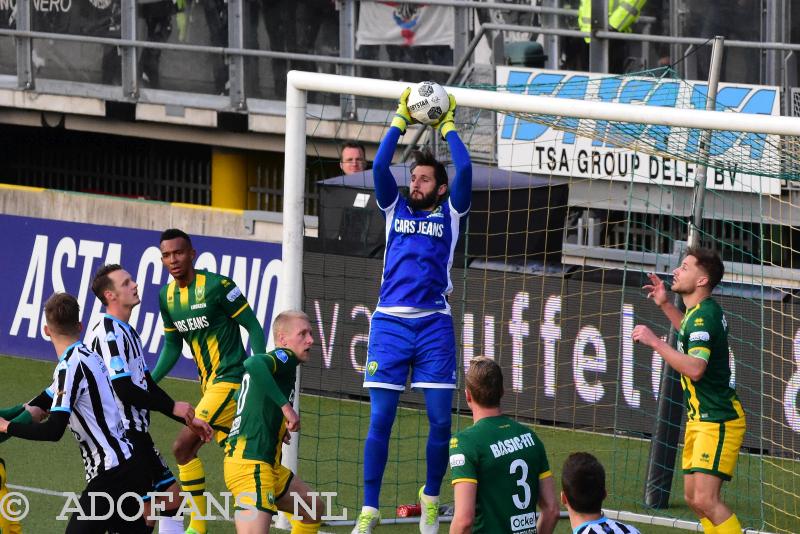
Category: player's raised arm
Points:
column 657, row 291
column 461, row 190
column 385, row 186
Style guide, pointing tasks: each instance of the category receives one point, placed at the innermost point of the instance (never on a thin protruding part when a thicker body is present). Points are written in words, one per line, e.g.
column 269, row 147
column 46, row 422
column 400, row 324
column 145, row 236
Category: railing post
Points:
column 130, row 71
column 25, row 75
column 772, row 22
column 598, row 48
column 552, row 43
column 460, row 31
column 236, row 61
column 347, row 50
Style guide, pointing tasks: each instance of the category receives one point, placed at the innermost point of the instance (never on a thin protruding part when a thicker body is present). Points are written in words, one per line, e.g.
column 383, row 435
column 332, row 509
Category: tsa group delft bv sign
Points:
column 41, row 256
column 525, row 146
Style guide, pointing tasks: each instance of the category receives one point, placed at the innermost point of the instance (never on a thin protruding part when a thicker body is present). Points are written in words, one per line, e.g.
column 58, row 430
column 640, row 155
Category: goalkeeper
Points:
column 412, row 327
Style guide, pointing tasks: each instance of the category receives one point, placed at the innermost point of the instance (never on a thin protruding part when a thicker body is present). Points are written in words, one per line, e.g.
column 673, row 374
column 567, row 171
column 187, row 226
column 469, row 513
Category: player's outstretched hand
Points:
column 402, row 118
column 202, row 429
column 642, row 334
column 184, row 410
column 37, row 414
column 3, row 426
column 656, row 289
column 292, row 419
column 447, row 122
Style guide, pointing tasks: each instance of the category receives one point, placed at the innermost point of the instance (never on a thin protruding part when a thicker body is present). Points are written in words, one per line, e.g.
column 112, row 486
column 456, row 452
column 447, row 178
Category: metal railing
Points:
column 236, row 52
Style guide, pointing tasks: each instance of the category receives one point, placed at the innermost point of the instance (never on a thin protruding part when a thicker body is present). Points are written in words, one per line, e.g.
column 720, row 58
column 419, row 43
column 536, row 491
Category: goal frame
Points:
column 299, row 84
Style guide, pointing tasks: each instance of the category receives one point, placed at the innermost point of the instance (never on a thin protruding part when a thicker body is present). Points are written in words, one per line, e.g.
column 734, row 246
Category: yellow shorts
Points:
column 6, row 526
column 217, row 408
column 256, row 484
column 712, row 448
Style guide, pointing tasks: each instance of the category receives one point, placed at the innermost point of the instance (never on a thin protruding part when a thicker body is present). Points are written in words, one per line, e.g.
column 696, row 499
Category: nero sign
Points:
column 564, row 344
column 525, row 146
column 42, row 256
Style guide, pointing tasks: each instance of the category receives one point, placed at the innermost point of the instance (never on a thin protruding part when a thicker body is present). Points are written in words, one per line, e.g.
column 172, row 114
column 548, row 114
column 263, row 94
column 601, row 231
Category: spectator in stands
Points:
column 409, row 33
column 354, row 157
column 622, row 16
column 291, row 27
column 216, row 12
column 157, row 16
column 734, row 19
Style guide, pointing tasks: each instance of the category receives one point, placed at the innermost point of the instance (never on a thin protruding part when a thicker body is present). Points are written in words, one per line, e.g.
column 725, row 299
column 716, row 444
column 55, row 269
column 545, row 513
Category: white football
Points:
column 427, row 102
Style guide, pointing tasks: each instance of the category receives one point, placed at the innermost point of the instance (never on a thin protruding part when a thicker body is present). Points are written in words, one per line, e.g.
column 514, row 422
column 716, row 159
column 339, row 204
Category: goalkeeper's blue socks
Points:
column 383, row 408
column 439, row 403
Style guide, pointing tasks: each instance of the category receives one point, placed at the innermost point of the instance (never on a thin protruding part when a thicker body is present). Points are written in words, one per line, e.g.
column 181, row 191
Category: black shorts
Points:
column 150, row 460
column 125, row 478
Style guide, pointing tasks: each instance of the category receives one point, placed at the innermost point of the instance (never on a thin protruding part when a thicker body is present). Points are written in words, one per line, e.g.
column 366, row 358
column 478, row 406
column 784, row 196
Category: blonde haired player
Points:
column 264, row 417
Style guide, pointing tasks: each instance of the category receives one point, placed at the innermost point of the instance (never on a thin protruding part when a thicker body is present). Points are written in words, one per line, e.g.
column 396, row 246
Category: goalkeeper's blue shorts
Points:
column 426, row 345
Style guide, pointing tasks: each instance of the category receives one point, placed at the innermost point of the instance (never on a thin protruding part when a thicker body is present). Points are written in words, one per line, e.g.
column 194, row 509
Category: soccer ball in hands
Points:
column 427, row 102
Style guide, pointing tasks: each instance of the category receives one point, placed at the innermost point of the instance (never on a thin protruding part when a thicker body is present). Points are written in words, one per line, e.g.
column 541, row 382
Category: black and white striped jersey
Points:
column 605, row 525
column 121, row 348
column 82, row 388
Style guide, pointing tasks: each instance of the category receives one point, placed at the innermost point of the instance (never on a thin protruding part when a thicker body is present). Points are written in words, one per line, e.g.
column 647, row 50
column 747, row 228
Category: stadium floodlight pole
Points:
column 664, row 448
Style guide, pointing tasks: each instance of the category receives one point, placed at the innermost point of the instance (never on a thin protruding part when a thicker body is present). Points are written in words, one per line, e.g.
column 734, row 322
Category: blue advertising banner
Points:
column 527, row 146
column 41, row 256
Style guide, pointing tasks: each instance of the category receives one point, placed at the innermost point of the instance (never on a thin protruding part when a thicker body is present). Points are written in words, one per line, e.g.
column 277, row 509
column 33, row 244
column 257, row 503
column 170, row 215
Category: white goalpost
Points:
column 291, row 288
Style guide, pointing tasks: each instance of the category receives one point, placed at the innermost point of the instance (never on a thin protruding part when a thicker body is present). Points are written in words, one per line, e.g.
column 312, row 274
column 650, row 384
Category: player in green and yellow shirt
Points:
column 205, row 310
column 499, row 467
column 716, row 425
column 264, row 416
column 17, row 414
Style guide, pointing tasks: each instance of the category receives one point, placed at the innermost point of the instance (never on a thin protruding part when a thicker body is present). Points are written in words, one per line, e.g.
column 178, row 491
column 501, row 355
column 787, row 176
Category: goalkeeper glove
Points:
column 402, row 118
column 446, row 122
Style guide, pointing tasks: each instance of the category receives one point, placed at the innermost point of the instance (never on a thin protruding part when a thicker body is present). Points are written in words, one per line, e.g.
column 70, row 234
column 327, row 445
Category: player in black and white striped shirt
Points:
column 137, row 393
column 583, row 488
column 84, row 400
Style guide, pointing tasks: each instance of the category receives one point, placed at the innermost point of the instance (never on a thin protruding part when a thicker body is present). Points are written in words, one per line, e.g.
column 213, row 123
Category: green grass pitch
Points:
column 331, row 430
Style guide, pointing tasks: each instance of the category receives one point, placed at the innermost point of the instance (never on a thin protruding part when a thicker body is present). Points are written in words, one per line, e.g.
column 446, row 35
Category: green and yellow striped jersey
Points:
column 259, row 426
column 704, row 334
column 203, row 314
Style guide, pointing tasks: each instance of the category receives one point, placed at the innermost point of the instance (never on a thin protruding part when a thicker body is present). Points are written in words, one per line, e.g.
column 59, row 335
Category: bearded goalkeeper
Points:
column 412, row 329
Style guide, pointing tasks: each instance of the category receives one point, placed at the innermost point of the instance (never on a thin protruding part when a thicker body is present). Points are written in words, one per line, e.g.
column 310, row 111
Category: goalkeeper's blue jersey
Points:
column 418, row 256
column 419, row 245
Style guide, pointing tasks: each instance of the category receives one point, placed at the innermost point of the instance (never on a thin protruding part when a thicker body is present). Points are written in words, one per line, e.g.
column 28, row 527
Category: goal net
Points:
column 583, row 184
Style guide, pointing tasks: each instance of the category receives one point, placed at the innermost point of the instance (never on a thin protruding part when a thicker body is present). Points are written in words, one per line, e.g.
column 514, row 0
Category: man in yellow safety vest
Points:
column 622, row 14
